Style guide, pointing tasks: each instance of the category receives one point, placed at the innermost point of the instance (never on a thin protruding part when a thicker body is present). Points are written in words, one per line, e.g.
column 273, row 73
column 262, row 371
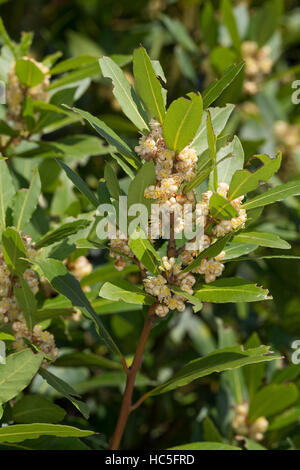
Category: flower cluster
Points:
column 16, row 93
column 258, row 63
column 80, row 267
column 172, row 275
column 171, row 171
column 288, row 137
column 120, row 251
column 255, row 430
column 10, row 312
column 213, row 268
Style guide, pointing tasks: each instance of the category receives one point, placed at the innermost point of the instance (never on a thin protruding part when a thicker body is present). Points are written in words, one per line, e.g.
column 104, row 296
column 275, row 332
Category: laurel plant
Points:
column 161, row 264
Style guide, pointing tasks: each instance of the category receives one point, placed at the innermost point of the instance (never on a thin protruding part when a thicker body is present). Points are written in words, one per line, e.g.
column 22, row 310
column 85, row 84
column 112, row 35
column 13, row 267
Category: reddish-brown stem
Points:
column 131, row 376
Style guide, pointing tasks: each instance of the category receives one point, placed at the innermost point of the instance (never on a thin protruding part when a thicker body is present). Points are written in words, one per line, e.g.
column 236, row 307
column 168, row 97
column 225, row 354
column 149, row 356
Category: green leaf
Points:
column 212, row 146
column 17, row 373
column 26, row 301
column 231, row 290
column 274, row 194
column 112, row 181
column 28, row 72
column 21, row 432
column 220, row 208
column 147, row 85
column 216, row 88
column 13, row 251
column 230, row 22
column 79, row 183
column 262, row 239
column 26, row 201
column 125, row 94
column 7, row 192
column 144, row 178
column 78, row 359
column 6, row 38
column 205, row 446
column 227, row 167
column 107, row 272
column 111, row 137
column 182, row 120
column 244, row 181
column 62, row 232
column 179, row 33
column 219, row 118
column 287, row 418
column 66, row 284
column 271, row 400
column 213, row 250
column 63, row 388
column 218, row 361
column 125, row 291
column 145, row 253
column 33, row 408
column 210, row 432
column 254, row 373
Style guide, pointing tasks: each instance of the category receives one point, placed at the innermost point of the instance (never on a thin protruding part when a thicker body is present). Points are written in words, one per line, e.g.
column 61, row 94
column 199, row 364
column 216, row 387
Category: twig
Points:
column 131, row 376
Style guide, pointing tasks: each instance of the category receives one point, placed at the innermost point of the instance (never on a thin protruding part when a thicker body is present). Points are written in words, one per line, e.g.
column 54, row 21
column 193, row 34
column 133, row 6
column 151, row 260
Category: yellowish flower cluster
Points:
column 226, row 226
column 80, row 267
column 171, row 170
column 213, row 268
column 42, row 339
column 258, row 63
column 255, row 430
column 11, row 314
column 157, row 286
column 119, row 249
column 16, row 93
column 288, row 137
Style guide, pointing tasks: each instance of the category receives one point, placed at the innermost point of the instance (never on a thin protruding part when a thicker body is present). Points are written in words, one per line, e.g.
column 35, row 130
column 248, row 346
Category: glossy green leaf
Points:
column 112, row 181
column 220, row 208
column 147, row 85
column 144, row 178
column 62, row 232
column 34, row 408
column 216, row 88
column 125, row 291
column 231, row 290
column 66, row 284
column 219, row 118
column 274, row 194
column 230, row 22
column 205, row 446
column 78, row 359
column 26, row 301
column 110, row 136
column 182, row 120
column 7, row 192
column 262, row 239
column 26, row 201
column 244, row 181
column 17, row 373
column 287, row 418
column 28, row 72
column 65, row 389
column 79, row 183
column 13, row 250
column 272, row 399
column 21, row 432
column 218, row 361
column 124, row 93
column 213, row 250
column 145, row 253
